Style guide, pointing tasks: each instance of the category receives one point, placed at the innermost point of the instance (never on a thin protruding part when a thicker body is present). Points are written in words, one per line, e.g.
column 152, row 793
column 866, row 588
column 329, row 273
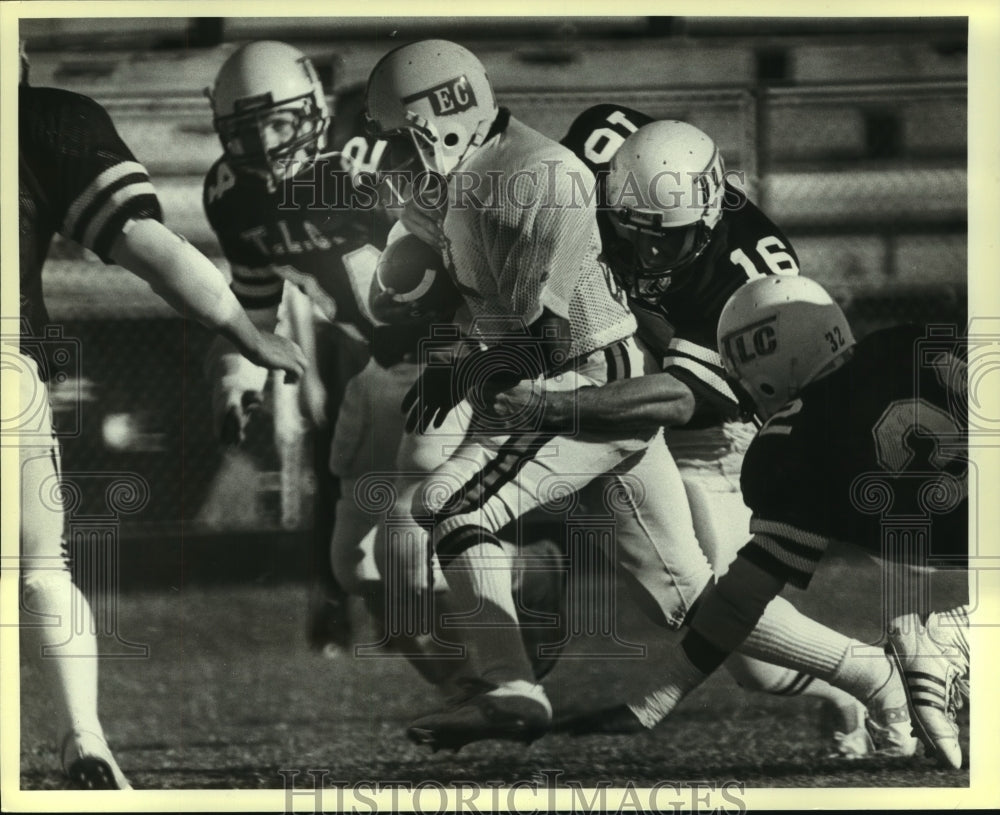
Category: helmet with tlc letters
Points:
column 777, row 334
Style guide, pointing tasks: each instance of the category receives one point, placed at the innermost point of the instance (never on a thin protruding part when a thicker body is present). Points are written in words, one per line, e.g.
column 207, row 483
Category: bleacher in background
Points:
column 852, row 134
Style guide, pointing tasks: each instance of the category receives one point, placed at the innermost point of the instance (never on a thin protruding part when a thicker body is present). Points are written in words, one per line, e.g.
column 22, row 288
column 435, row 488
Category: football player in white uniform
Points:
column 680, row 262
column 523, row 247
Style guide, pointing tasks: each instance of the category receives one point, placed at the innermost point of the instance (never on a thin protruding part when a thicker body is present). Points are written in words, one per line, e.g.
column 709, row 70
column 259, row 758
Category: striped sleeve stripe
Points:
column 692, row 349
column 767, row 561
column 792, row 533
column 132, row 198
column 616, row 358
column 704, row 375
column 798, row 558
column 106, row 193
column 111, row 175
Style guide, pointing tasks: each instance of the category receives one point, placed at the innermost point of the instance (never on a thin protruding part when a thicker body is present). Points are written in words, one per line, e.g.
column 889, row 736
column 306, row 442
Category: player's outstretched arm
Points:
column 642, row 403
column 191, row 283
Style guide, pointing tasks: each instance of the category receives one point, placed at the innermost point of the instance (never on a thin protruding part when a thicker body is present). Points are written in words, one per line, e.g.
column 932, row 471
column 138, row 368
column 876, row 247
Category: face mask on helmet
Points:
column 278, row 142
column 658, row 258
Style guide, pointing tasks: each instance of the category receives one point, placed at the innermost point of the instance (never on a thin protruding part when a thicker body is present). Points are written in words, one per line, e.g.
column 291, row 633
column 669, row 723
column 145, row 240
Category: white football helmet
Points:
column 269, row 110
column 777, row 334
column 665, row 190
column 432, row 98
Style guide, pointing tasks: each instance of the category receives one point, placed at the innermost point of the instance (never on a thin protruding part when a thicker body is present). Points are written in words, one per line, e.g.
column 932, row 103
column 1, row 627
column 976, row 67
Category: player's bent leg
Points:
column 66, row 656
column 842, row 717
column 409, row 598
column 329, row 621
column 721, row 523
column 540, row 597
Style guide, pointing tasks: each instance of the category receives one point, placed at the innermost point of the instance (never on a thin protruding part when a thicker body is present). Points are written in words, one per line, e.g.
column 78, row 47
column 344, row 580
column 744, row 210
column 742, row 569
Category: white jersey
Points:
column 522, row 236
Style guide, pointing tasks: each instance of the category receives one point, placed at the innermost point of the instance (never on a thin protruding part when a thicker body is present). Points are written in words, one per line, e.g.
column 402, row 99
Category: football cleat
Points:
column 933, row 687
column 954, row 643
column 89, row 765
column 615, row 720
column 514, row 711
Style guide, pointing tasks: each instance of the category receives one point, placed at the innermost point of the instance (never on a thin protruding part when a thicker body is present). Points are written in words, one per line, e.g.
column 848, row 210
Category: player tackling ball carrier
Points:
column 896, row 451
column 527, row 254
column 679, row 253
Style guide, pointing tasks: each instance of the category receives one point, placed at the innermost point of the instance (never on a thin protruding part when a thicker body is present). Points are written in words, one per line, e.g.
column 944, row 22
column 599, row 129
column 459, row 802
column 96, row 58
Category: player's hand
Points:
column 279, row 354
column 431, row 398
column 234, row 413
column 312, row 398
column 504, row 401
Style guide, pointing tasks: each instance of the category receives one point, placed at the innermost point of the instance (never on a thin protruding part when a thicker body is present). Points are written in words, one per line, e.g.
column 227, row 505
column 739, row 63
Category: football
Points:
column 411, row 282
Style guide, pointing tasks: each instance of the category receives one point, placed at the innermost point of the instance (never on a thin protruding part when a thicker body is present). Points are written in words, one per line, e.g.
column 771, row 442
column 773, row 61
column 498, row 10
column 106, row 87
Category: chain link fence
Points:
column 868, row 182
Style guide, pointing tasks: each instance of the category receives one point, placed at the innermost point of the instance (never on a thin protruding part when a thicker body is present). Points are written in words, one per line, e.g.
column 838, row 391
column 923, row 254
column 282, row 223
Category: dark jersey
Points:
column 873, row 452
column 298, row 232
column 681, row 329
column 76, row 177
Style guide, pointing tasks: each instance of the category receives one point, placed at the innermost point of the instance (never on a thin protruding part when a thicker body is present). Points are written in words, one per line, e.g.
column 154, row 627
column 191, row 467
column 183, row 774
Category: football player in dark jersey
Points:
column 286, row 213
column 887, row 473
column 77, row 178
column 680, row 238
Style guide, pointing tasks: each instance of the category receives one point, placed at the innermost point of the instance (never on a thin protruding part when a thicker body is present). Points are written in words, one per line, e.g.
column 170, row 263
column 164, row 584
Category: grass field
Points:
column 230, row 695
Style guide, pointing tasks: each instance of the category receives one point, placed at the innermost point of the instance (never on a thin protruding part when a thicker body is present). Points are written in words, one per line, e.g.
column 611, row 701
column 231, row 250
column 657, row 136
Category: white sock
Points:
column 63, row 646
column 680, row 678
column 786, row 637
column 479, row 579
column 757, row 675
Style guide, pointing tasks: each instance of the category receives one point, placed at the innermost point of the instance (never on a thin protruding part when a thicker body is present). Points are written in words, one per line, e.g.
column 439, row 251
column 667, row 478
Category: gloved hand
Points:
column 431, row 398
